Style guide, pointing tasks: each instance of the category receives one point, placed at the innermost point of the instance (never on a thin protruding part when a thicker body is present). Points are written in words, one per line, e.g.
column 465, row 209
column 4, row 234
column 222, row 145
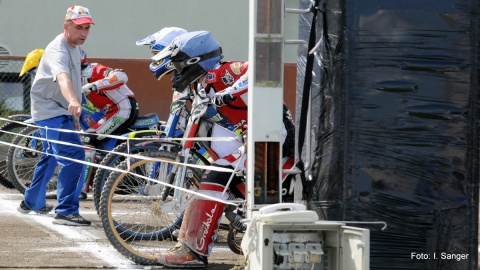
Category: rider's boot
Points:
column 199, row 230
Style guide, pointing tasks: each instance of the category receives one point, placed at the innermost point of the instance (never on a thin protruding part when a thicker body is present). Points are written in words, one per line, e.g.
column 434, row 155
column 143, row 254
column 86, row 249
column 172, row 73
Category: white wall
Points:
column 29, row 24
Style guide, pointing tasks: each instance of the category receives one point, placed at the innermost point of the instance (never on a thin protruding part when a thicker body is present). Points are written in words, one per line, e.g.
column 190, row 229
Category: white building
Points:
column 29, row 24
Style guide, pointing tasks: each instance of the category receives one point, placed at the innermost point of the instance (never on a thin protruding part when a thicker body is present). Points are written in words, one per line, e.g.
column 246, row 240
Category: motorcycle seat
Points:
column 146, row 121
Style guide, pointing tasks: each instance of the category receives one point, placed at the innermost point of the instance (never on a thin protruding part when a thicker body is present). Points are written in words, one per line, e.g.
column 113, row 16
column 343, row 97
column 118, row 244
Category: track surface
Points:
column 31, row 241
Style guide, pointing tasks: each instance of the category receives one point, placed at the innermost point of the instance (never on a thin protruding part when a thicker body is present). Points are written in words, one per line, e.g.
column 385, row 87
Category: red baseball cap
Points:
column 78, row 15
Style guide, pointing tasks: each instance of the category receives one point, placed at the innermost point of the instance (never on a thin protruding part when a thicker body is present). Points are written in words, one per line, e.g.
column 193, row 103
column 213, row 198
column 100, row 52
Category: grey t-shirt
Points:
column 46, row 98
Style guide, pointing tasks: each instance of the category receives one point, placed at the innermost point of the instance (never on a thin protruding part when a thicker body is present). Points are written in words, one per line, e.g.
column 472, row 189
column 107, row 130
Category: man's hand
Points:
column 89, row 87
column 75, row 109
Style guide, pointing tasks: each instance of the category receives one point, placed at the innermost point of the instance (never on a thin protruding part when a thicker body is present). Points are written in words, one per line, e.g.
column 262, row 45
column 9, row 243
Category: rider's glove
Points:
column 89, row 87
column 221, row 99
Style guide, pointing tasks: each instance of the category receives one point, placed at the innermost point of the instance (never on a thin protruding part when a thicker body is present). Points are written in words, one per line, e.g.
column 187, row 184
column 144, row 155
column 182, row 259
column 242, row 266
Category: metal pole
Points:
column 265, row 97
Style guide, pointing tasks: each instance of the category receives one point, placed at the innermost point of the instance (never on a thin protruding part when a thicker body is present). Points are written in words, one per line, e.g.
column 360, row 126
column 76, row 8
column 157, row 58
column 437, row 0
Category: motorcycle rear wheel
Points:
column 7, row 134
column 22, row 159
column 129, row 207
column 113, row 160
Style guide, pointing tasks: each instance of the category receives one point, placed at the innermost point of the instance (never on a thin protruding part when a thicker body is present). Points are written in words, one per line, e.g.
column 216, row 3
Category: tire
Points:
column 113, row 160
column 6, row 136
column 21, row 162
column 234, row 240
column 129, row 208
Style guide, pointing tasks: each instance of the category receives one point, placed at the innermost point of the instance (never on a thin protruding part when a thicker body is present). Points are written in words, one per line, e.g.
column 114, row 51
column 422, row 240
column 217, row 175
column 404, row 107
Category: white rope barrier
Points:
column 225, row 139
column 115, row 137
column 129, row 156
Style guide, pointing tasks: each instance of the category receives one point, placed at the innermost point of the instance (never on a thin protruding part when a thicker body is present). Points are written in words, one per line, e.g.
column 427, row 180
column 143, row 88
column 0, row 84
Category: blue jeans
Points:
column 69, row 175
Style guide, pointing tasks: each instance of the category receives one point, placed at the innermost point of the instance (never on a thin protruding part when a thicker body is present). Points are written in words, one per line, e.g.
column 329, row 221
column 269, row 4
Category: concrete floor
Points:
column 31, row 241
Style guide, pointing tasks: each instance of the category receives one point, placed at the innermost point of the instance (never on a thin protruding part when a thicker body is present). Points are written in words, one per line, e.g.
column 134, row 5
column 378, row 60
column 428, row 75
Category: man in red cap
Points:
column 56, row 96
column 77, row 25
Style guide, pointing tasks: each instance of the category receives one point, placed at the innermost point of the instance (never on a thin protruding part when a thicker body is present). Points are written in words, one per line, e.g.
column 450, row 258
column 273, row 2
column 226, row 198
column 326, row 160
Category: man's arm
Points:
column 74, row 106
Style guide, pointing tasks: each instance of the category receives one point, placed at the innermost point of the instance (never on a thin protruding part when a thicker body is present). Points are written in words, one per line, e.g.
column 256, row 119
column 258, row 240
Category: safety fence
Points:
column 14, row 90
column 127, row 155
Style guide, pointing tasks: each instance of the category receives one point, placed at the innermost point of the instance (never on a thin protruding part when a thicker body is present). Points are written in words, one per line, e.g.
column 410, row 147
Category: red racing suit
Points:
column 202, row 216
column 112, row 96
column 227, row 78
column 231, row 78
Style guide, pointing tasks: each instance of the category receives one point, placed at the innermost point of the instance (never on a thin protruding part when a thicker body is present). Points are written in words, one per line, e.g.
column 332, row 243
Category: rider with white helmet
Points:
column 157, row 42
